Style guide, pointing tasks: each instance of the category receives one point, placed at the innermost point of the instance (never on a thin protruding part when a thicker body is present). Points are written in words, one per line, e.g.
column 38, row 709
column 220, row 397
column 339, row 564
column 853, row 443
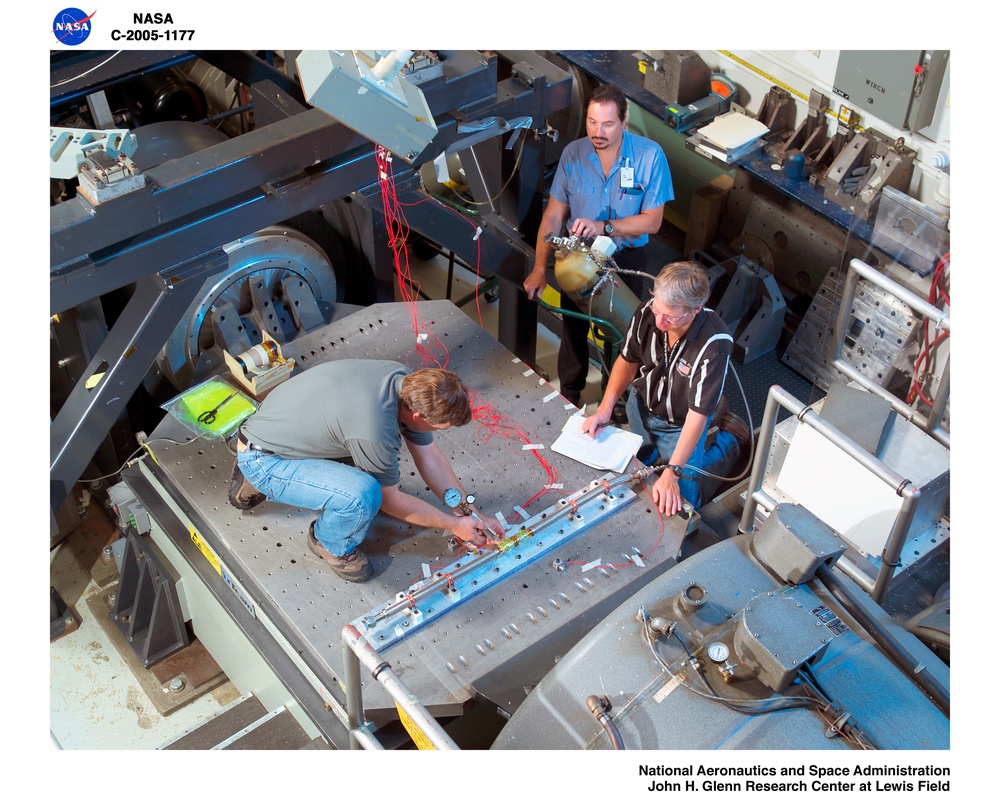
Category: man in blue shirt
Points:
column 611, row 183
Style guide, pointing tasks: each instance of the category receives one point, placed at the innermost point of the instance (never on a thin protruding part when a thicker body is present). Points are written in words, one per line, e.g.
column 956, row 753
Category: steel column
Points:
column 118, row 367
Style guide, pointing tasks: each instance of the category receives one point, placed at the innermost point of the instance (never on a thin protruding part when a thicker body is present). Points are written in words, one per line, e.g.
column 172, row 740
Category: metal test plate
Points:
column 266, row 546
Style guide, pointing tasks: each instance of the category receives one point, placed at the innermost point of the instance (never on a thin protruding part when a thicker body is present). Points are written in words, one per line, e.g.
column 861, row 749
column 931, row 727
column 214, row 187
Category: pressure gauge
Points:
column 452, row 498
column 718, row 652
column 470, row 499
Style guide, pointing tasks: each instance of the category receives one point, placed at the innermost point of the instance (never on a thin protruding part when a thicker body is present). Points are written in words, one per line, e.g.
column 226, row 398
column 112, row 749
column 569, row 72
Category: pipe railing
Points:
column 358, row 651
column 930, row 424
column 756, row 496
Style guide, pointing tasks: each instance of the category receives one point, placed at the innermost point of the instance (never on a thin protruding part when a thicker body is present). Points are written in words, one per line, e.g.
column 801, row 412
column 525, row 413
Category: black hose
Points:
column 599, row 705
column 898, row 654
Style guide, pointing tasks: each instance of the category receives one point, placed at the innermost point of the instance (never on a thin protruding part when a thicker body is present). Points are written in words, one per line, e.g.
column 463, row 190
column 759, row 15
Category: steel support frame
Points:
column 236, row 187
column 147, row 608
column 193, row 206
column 859, row 269
column 75, row 336
column 118, row 367
column 903, row 487
column 486, row 242
column 200, row 202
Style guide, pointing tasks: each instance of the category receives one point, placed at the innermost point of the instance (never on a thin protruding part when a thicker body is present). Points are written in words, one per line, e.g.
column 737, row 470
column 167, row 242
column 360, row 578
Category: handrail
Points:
column 778, row 397
column 357, row 650
column 858, row 269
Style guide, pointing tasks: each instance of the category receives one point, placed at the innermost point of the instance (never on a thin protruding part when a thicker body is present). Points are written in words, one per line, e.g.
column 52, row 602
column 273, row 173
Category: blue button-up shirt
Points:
column 579, row 182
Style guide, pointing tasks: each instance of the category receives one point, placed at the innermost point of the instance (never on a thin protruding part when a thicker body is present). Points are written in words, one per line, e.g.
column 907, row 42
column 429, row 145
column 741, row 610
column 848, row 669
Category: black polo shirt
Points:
column 691, row 375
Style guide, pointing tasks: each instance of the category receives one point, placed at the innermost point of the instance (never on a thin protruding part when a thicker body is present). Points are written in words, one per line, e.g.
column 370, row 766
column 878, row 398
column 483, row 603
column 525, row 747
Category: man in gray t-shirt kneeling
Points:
column 294, row 448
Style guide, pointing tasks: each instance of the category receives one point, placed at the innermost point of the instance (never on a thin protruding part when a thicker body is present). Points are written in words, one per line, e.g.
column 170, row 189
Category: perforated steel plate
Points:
column 265, row 548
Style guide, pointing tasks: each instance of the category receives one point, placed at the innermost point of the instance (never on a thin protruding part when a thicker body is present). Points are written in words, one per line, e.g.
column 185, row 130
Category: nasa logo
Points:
column 71, row 26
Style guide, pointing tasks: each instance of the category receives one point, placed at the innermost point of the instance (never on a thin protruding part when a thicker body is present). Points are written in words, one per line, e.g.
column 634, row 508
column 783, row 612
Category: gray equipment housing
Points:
column 665, row 690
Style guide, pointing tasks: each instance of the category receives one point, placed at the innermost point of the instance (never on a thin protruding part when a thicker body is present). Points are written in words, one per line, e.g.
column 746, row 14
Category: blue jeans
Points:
column 347, row 498
column 717, row 459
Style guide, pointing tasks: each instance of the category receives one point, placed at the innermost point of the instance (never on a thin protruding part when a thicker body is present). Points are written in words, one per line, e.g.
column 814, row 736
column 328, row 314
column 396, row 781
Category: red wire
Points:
column 934, row 296
column 493, row 423
column 428, row 347
column 479, row 311
column 659, row 535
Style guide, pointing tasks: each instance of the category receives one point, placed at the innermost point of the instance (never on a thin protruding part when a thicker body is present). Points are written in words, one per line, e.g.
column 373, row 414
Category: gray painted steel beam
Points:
column 124, row 358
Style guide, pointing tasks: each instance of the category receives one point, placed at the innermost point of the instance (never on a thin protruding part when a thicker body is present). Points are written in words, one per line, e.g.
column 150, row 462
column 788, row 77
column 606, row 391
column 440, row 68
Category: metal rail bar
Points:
column 859, row 269
column 357, row 650
column 778, row 397
column 470, row 574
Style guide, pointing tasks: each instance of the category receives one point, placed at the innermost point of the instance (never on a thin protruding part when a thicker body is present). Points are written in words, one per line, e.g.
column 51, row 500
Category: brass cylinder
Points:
column 577, row 273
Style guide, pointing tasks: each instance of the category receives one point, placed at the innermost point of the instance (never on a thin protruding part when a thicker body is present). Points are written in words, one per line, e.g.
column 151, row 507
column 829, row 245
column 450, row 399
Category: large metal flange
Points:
column 278, row 280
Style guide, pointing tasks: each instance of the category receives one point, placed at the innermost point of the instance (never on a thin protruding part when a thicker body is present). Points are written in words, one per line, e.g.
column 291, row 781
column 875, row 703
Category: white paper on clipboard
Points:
column 612, row 448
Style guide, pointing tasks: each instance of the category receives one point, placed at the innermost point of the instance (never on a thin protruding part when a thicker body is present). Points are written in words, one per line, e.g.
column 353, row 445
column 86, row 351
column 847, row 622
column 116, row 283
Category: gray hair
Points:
column 682, row 285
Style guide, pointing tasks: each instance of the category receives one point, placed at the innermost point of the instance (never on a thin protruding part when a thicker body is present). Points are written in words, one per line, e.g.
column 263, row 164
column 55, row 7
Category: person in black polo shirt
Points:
column 674, row 359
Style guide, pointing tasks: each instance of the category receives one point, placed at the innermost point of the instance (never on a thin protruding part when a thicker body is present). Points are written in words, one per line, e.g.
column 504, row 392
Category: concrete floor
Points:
column 95, row 700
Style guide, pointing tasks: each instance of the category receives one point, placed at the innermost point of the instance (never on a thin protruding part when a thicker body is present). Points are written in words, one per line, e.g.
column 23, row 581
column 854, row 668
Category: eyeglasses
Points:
column 667, row 318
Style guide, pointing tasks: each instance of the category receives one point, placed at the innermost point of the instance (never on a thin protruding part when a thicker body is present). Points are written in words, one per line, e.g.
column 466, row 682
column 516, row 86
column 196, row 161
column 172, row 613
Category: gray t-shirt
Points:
column 337, row 410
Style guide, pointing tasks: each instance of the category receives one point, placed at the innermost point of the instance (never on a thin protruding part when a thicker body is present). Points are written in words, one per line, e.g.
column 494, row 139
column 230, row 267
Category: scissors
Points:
column 208, row 417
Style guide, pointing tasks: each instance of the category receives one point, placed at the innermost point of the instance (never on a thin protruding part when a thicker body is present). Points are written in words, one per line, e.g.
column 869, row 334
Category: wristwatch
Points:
column 678, row 471
column 609, row 228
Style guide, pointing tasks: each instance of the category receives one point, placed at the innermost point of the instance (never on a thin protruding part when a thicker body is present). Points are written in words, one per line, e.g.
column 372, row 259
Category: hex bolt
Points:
column 176, row 685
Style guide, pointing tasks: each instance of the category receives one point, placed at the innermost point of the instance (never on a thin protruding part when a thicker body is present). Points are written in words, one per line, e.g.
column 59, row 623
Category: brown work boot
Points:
column 721, row 410
column 242, row 494
column 740, row 430
column 354, row 567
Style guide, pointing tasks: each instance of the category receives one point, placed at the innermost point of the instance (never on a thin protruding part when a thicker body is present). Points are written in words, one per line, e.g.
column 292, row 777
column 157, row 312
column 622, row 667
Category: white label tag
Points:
column 627, row 177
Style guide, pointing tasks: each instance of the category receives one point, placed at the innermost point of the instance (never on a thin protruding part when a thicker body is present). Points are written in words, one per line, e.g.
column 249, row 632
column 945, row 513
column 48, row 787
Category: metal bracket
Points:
column 465, row 577
column 147, row 610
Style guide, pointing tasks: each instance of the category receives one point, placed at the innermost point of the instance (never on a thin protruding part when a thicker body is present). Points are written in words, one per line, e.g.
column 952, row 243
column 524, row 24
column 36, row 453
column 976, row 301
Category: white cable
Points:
column 84, row 74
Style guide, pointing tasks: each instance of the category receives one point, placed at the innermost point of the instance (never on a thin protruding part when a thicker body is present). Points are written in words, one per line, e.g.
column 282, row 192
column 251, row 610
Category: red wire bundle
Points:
column 936, row 295
column 430, row 350
column 493, row 423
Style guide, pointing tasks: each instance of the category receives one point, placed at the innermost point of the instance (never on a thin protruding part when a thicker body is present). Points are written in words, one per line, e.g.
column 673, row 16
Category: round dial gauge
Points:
column 718, row 652
column 470, row 499
column 452, row 498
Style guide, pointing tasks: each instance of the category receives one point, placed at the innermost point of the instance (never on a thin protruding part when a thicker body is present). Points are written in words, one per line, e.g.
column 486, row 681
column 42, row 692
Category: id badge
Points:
column 627, row 177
